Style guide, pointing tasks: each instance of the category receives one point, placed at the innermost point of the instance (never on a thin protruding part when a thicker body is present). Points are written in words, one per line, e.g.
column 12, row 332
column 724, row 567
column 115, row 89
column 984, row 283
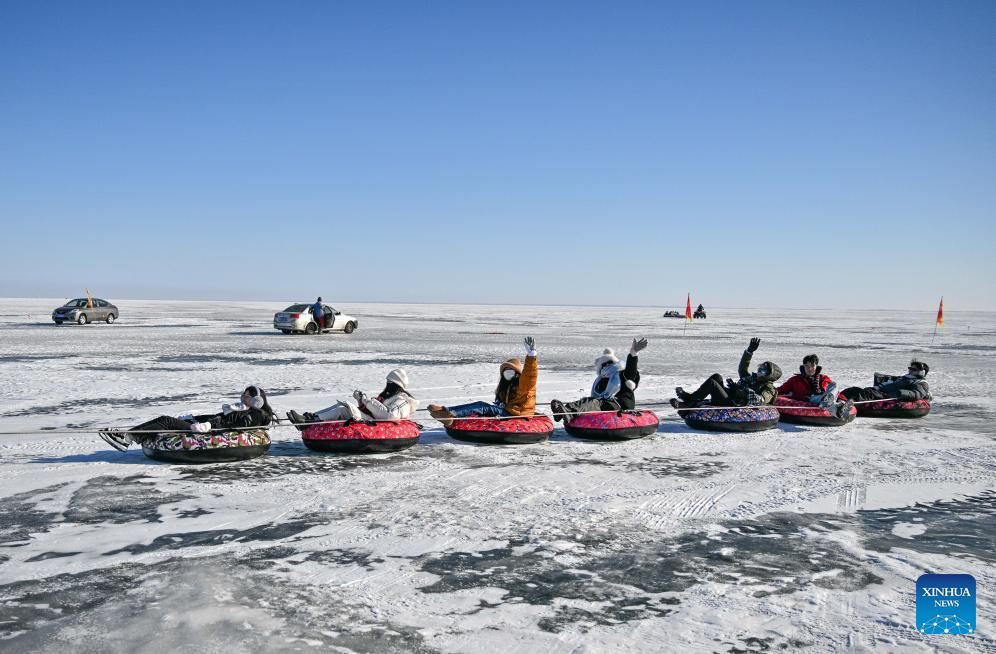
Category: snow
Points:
column 686, row 541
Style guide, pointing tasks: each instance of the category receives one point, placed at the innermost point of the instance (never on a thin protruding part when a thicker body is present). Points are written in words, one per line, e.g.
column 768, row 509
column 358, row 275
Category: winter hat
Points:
column 608, row 356
column 399, row 377
column 512, row 364
column 774, row 372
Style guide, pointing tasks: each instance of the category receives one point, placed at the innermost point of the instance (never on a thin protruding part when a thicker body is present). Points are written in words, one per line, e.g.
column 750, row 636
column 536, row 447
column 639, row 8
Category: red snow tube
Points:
column 893, row 409
column 806, row 413
column 734, row 418
column 613, row 425
column 502, row 431
column 353, row 437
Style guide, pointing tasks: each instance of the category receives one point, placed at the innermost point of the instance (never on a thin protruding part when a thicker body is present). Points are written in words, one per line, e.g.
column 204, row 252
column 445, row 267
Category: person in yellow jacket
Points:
column 514, row 396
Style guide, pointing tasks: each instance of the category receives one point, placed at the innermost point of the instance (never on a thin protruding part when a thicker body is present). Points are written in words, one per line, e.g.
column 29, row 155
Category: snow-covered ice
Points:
column 683, row 541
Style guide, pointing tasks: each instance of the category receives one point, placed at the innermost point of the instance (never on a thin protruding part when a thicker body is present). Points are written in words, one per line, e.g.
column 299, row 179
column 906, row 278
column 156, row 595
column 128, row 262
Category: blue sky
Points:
column 756, row 154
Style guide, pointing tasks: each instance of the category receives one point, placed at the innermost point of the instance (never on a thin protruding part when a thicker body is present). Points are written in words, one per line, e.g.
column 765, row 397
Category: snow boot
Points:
column 116, row 439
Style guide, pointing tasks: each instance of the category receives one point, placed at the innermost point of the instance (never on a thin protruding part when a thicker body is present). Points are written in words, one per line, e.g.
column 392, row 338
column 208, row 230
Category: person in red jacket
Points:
column 812, row 386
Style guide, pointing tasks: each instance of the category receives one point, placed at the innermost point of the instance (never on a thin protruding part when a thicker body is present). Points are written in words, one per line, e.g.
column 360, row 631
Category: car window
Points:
column 102, row 303
column 327, row 309
column 80, row 303
column 296, row 308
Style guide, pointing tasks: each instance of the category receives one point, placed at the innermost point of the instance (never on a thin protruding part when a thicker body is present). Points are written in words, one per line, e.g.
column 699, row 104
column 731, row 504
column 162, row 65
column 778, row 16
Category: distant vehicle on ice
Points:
column 299, row 318
column 85, row 310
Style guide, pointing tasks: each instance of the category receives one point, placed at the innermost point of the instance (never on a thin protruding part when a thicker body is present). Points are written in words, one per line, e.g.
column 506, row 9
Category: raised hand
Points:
column 754, row 344
column 639, row 344
column 530, row 344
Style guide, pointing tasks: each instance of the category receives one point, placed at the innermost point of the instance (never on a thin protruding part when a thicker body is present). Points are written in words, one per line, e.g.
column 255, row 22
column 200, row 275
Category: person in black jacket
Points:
column 751, row 389
column 253, row 411
column 612, row 390
column 908, row 388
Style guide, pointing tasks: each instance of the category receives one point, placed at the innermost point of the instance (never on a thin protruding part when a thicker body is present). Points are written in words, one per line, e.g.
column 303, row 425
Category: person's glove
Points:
column 754, row 344
column 200, row 427
column 638, row 344
column 730, row 383
column 530, row 344
column 360, row 397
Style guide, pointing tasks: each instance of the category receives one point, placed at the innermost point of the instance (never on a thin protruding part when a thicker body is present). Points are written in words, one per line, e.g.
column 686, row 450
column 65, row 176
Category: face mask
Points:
column 508, row 374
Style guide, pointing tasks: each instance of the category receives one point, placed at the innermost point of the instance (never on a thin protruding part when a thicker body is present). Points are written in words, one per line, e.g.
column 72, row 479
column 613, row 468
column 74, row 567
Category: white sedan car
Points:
column 298, row 318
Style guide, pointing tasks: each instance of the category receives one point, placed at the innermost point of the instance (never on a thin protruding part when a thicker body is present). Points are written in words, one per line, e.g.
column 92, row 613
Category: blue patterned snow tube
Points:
column 734, row 418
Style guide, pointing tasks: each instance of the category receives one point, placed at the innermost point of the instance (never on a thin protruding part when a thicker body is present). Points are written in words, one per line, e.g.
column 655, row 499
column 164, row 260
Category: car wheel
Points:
column 58, row 322
column 110, row 318
column 82, row 320
column 311, row 328
column 349, row 328
column 286, row 331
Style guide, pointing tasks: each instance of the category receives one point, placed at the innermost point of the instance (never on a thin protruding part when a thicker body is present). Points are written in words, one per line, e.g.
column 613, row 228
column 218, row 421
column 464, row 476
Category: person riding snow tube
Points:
column 514, row 396
column 906, row 396
column 751, row 389
column 622, row 425
column 812, row 389
column 238, row 432
column 374, row 424
column 612, row 390
column 395, row 402
column 736, row 418
column 798, row 412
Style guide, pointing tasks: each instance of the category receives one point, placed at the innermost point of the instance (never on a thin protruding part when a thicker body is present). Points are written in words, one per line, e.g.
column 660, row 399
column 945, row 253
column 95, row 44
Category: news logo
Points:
column 945, row 604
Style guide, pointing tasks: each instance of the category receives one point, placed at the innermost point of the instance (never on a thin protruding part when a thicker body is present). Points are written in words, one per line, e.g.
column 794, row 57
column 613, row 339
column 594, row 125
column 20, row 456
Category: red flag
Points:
column 688, row 309
column 940, row 314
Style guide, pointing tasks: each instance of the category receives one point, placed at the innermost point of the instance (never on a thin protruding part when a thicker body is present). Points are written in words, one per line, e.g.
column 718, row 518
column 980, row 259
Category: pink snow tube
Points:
column 613, row 425
column 353, row 437
column 502, row 431
column 805, row 413
column 893, row 409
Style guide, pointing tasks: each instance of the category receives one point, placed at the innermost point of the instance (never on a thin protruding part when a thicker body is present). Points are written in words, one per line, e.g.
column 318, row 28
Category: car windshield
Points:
column 297, row 308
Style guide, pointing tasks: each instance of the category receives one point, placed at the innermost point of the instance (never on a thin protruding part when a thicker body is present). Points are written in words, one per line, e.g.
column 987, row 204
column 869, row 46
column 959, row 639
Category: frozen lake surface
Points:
column 792, row 538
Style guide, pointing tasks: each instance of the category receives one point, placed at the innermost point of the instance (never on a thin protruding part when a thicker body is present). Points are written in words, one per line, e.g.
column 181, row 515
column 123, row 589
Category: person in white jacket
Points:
column 393, row 403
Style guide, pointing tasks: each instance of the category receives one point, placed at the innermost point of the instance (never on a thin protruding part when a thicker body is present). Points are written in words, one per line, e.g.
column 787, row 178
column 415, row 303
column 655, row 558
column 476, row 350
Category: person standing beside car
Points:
column 316, row 311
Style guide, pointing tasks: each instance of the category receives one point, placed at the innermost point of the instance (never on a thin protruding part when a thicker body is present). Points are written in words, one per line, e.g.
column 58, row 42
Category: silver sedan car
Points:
column 83, row 311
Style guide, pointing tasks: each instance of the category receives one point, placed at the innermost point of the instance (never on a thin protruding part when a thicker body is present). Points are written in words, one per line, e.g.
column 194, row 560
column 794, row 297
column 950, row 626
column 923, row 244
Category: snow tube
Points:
column 893, row 409
column 502, row 431
column 614, row 425
column 353, row 437
column 734, row 418
column 806, row 413
column 217, row 447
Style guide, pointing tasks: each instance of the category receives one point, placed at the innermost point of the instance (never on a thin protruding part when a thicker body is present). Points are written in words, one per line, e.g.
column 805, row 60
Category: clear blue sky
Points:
column 790, row 154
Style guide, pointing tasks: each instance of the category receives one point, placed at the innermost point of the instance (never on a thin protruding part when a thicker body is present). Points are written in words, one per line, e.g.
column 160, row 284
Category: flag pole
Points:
column 939, row 320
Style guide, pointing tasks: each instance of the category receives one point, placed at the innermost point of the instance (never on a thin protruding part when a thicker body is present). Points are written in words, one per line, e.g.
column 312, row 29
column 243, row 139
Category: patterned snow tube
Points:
column 806, row 413
column 734, row 418
column 502, row 431
column 217, row 447
column 352, row 437
column 614, row 425
column 893, row 409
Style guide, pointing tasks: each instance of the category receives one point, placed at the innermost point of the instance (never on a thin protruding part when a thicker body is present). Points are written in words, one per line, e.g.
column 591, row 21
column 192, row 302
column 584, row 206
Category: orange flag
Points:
column 940, row 314
column 688, row 308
